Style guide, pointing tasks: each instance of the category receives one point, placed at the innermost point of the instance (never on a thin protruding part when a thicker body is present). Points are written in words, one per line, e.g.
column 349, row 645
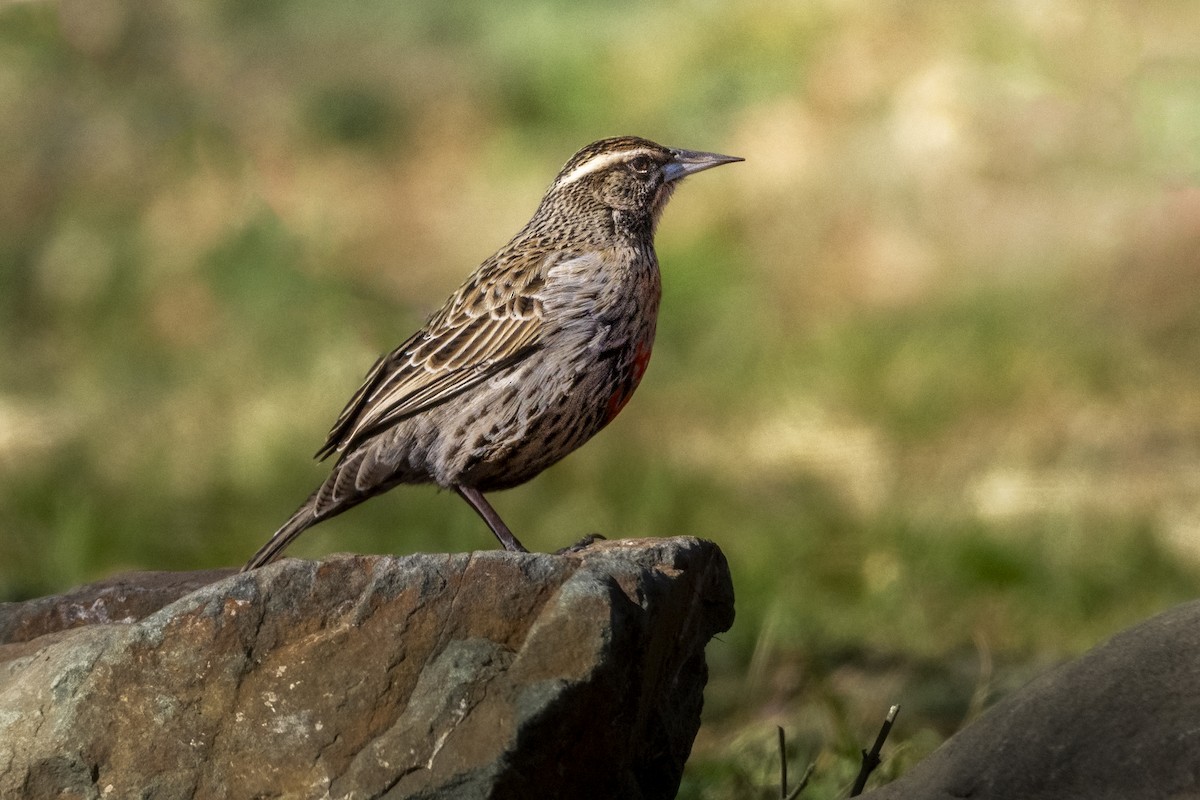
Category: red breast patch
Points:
column 618, row 399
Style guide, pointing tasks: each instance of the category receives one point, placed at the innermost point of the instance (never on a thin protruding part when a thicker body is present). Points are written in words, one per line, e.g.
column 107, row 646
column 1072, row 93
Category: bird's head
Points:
column 632, row 177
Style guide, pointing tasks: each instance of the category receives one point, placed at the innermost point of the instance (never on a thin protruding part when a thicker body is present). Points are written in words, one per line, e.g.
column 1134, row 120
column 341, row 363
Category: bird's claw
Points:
column 581, row 545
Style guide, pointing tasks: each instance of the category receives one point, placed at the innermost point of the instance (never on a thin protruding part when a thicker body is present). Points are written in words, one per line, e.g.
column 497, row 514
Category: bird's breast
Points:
column 627, row 380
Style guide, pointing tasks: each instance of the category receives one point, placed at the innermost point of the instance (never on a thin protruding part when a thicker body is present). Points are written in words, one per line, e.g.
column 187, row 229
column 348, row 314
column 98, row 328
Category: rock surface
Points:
column 480, row 675
column 1120, row 722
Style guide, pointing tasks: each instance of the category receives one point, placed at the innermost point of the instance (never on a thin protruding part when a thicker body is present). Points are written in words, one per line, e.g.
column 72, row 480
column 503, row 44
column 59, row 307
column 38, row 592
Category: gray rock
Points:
column 481, row 675
column 1120, row 722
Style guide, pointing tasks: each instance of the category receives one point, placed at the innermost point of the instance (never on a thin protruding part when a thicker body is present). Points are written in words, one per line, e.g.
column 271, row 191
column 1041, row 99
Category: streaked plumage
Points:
column 533, row 355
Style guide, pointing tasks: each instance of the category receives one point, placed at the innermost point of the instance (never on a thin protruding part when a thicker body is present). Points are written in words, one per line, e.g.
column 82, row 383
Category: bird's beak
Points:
column 688, row 162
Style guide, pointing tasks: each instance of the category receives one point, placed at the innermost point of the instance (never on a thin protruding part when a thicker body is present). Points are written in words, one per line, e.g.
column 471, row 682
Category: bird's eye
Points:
column 641, row 165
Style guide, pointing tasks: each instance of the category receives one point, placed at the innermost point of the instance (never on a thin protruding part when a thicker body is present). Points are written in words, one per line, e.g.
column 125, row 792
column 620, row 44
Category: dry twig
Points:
column 783, row 780
column 871, row 760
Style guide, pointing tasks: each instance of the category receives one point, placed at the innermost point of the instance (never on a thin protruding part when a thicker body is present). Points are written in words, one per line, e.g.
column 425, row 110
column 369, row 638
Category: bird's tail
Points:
column 304, row 518
column 338, row 493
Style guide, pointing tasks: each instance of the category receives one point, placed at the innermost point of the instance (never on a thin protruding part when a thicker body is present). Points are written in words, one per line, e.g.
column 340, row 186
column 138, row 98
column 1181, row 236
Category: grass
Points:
column 925, row 366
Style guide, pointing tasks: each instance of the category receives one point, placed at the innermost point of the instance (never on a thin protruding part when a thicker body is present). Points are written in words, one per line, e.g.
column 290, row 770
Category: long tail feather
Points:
column 304, row 518
column 281, row 539
column 338, row 493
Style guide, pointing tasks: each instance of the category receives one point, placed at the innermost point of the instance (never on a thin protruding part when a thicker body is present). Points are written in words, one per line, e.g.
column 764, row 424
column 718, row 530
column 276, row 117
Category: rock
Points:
column 125, row 598
column 1118, row 722
column 480, row 675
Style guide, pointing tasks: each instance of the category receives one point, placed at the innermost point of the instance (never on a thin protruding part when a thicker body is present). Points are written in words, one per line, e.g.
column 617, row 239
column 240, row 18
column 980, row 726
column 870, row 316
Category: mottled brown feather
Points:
column 482, row 329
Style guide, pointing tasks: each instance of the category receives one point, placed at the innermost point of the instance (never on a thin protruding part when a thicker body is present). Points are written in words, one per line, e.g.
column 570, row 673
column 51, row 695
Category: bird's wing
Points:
column 491, row 323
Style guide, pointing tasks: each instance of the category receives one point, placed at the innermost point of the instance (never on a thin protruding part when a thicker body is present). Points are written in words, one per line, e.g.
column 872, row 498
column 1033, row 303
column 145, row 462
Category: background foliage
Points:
column 927, row 360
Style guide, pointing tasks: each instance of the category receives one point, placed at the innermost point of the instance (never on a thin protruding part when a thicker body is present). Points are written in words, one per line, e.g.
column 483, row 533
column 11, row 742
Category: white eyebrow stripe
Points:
column 602, row 161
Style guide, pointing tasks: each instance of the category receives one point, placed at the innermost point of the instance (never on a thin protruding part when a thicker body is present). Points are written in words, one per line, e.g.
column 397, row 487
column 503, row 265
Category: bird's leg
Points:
column 484, row 509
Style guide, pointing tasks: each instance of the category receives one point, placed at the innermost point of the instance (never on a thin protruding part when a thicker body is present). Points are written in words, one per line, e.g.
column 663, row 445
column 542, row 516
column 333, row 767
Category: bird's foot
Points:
column 581, row 545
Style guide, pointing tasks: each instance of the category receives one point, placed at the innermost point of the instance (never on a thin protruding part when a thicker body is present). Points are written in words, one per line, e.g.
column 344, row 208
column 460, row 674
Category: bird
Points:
column 537, row 351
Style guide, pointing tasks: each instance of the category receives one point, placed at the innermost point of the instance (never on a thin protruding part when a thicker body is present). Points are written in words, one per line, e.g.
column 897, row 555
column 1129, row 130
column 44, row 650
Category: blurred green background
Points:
column 927, row 360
